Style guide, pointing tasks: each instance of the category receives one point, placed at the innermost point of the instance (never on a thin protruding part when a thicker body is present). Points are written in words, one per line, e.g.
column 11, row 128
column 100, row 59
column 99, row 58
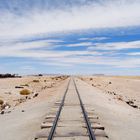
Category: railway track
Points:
column 70, row 120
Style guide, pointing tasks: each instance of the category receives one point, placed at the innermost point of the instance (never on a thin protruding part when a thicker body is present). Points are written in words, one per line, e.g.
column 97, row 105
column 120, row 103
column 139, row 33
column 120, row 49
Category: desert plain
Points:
column 114, row 99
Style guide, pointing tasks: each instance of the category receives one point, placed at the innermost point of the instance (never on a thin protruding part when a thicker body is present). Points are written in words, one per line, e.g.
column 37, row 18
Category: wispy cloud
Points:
column 86, row 44
column 134, row 54
column 37, row 33
column 116, row 45
column 93, row 39
column 68, row 58
column 106, row 14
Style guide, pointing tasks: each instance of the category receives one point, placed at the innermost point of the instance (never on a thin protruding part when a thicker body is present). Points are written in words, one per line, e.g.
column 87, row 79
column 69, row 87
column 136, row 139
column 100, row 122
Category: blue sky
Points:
column 70, row 37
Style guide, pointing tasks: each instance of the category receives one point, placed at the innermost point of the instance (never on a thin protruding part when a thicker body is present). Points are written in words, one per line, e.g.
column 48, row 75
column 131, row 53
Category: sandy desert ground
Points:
column 123, row 88
column 116, row 100
column 21, row 117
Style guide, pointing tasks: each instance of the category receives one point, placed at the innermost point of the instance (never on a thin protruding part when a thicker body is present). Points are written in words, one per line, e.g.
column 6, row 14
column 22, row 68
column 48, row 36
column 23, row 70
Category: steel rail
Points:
column 89, row 128
column 51, row 134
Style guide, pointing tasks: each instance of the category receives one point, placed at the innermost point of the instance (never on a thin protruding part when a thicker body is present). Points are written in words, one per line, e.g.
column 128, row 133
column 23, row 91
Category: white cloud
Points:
column 106, row 15
column 14, row 45
column 134, row 53
column 40, row 49
column 94, row 39
column 70, row 58
column 80, row 44
column 98, row 60
column 109, row 14
column 43, row 53
column 116, row 45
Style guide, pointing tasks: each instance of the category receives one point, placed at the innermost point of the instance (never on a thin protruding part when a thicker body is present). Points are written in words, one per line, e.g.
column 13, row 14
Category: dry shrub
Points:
column 120, row 98
column 25, row 92
column 36, row 81
column 25, row 85
column 1, row 102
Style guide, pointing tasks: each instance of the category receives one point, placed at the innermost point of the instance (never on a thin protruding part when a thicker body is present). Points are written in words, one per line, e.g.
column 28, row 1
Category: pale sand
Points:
column 19, row 125
column 126, row 88
column 121, row 121
column 10, row 94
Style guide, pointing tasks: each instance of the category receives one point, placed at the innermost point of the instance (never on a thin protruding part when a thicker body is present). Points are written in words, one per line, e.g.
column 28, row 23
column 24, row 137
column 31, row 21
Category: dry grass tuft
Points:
column 1, row 102
column 25, row 92
column 36, row 81
column 91, row 79
column 25, row 85
column 120, row 98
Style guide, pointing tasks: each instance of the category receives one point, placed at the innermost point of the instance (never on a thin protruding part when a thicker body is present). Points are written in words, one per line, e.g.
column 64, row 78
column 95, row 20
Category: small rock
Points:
column 19, row 87
column 129, row 102
column 134, row 106
column 23, row 111
column 5, row 106
column 35, row 95
column 2, row 112
column 8, row 111
column 114, row 93
column 7, row 93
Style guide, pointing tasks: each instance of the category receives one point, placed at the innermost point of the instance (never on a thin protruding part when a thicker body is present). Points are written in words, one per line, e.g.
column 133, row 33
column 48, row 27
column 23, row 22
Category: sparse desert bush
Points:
column 25, row 85
column 1, row 101
column 36, row 81
column 25, row 92
column 90, row 79
column 120, row 98
column 52, row 78
column 8, row 75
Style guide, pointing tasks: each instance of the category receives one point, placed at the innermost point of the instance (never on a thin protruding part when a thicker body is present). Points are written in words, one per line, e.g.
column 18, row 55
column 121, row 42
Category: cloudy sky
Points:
column 70, row 36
